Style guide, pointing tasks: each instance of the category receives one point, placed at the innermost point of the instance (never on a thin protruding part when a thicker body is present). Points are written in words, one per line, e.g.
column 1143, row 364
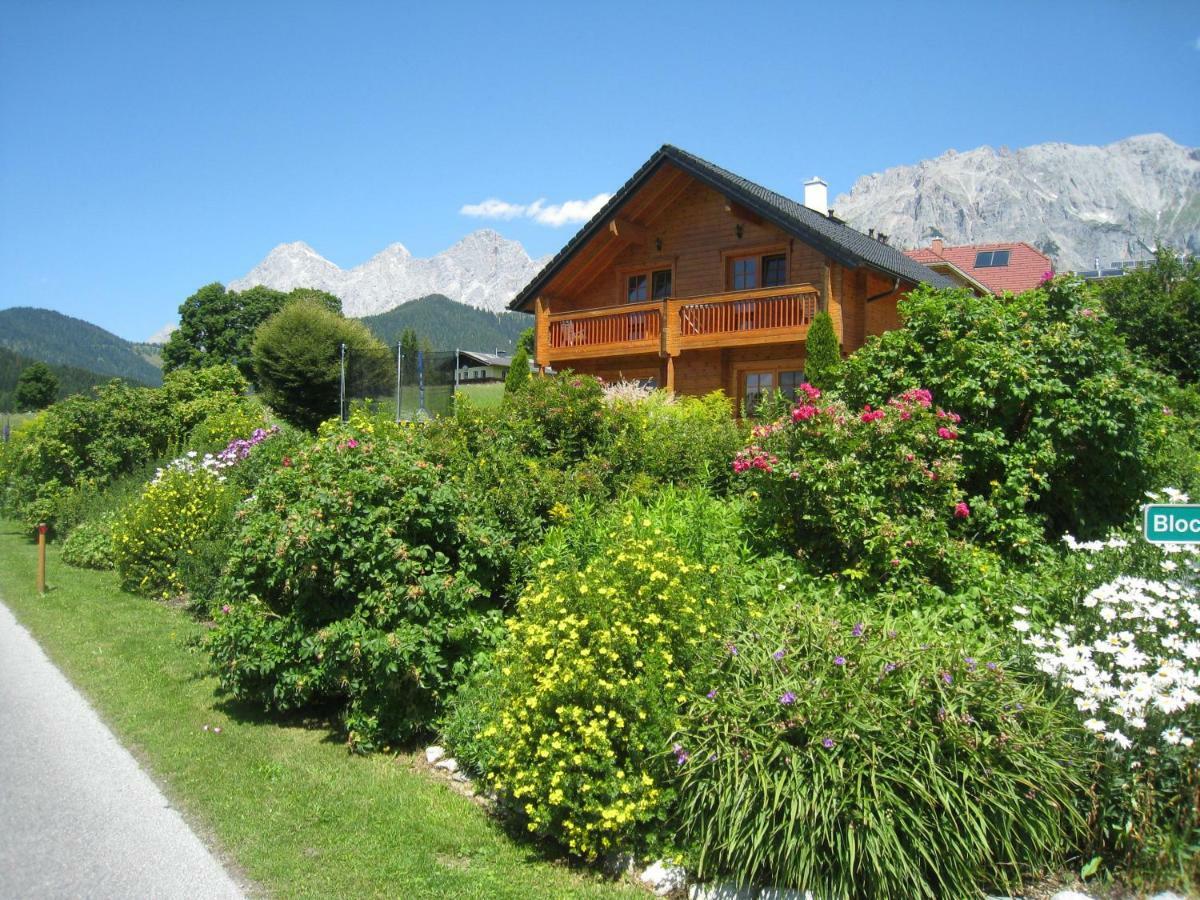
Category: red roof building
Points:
column 995, row 268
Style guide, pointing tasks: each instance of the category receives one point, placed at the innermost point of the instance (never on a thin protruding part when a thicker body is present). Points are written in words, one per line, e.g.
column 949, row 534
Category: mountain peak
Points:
column 484, row 269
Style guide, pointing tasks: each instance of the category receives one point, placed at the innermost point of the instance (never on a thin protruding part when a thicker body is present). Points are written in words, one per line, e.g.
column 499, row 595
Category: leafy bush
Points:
column 355, row 585
column 1062, row 417
column 81, row 444
column 518, row 371
column 557, row 415
column 662, row 440
column 1129, row 652
column 186, row 504
column 838, row 750
column 215, row 431
column 571, row 714
column 90, row 544
column 1158, row 311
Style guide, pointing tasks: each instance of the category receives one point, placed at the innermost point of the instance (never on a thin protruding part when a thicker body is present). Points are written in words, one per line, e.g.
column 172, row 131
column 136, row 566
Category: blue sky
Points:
column 148, row 149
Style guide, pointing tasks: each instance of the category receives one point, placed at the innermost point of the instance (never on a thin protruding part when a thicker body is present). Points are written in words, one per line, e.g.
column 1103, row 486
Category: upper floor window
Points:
column 991, row 258
column 759, row 270
column 643, row 286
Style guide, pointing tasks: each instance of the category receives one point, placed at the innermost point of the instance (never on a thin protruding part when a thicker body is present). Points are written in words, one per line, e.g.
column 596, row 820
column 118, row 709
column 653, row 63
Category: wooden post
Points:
column 41, row 570
column 541, row 331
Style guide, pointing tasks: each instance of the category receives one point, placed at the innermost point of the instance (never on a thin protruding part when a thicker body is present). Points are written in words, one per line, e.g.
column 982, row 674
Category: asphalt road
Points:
column 78, row 815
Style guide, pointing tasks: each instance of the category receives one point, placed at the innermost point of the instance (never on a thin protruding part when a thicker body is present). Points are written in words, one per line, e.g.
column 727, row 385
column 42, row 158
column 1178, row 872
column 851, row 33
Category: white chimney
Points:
column 816, row 196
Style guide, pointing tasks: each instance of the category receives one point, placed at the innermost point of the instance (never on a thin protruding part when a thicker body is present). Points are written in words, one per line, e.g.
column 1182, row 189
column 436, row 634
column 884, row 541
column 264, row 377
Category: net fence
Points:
column 402, row 386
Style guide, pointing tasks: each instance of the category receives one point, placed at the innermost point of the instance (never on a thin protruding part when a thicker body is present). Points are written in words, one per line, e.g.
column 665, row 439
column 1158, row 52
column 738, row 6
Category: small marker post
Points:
column 41, row 572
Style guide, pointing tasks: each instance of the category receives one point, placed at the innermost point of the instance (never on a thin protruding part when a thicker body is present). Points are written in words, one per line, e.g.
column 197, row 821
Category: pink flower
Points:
column 870, row 415
column 225, row 609
column 804, row 413
column 961, row 510
column 812, row 392
column 919, row 396
column 946, row 434
column 1048, row 275
column 352, row 443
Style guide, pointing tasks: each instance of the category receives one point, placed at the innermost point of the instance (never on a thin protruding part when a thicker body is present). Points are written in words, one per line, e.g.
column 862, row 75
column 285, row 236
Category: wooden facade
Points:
column 669, row 289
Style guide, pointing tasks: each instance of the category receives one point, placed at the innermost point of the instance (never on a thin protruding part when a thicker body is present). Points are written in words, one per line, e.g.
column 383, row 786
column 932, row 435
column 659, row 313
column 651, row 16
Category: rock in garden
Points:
column 434, row 753
column 663, row 878
column 721, row 892
column 450, row 764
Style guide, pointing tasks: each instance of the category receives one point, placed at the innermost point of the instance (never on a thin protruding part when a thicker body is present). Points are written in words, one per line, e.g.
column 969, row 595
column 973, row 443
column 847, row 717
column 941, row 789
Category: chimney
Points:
column 936, row 246
column 816, row 195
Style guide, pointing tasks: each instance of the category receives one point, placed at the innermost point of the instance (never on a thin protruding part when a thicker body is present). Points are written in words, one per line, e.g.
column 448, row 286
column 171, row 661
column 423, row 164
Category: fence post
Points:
column 342, row 388
column 421, row 380
column 41, row 565
column 400, row 370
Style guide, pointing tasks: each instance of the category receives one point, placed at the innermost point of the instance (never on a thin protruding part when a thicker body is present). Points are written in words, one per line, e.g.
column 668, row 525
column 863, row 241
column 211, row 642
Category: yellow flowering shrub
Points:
column 586, row 688
column 185, row 505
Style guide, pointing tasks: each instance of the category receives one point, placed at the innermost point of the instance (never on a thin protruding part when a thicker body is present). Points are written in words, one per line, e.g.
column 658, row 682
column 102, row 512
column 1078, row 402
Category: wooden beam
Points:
column 737, row 210
column 628, row 231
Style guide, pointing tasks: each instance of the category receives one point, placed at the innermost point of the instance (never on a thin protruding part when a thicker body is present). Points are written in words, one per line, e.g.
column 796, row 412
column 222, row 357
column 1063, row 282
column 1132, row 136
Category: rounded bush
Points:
column 90, row 544
column 835, row 751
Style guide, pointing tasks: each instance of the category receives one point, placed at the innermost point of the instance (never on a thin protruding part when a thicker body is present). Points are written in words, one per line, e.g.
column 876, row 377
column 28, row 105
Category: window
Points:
column 790, row 381
column 986, row 259
column 774, row 270
column 759, row 270
column 661, row 289
column 643, row 286
column 758, row 387
column 637, row 289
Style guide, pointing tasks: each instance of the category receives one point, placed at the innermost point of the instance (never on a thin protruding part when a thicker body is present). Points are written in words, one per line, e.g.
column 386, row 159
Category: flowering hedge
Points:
column 875, row 491
column 589, row 683
column 1130, row 655
column 186, row 504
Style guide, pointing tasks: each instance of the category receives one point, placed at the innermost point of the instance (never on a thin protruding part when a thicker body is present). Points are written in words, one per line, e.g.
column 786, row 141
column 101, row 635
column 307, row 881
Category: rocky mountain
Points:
column 1075, row 203
column 484, row 270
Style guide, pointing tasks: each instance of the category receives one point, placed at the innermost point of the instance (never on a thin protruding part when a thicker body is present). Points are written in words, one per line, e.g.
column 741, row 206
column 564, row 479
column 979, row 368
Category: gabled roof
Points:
column 1026, row 264
column 485, row 359
column 847, row 245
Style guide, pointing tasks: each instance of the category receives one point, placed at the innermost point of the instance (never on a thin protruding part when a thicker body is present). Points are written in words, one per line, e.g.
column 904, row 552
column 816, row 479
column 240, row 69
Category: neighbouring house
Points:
column 695, row 279
column 477, row 367
column 987, row 268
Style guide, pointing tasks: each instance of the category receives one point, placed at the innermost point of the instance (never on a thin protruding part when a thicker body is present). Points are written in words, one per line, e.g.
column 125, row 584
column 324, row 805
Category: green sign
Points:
column 1172, row 523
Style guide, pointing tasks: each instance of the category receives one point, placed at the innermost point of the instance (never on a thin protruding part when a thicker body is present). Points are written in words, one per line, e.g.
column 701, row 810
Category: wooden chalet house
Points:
column 695, row 280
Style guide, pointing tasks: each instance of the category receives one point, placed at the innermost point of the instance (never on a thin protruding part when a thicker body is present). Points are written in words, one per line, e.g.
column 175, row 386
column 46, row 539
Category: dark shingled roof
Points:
column 835, row 239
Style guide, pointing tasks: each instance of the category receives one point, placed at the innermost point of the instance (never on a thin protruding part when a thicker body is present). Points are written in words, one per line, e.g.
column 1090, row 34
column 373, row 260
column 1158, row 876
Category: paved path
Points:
column 78, row 816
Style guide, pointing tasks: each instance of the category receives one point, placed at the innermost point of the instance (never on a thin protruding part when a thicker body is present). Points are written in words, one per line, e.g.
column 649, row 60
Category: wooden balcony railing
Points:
column 666, row 327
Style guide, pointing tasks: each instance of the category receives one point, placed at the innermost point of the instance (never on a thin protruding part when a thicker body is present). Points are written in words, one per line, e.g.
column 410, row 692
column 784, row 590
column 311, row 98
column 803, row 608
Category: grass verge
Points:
column 285, row 803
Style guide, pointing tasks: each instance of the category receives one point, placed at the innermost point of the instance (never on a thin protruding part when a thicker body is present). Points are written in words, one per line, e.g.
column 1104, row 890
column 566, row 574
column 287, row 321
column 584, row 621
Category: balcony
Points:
column 668, row 327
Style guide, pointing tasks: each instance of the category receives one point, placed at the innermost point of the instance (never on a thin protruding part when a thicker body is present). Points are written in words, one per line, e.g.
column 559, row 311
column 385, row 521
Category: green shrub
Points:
column 186, row 504
column 557, row 415
column 518, row 371
column 1061, row 416
column 355, row 585
column 822, row 355
column 90, row 544
column 685, row 440
column 231, row 421
column 574, row 709
column 838, row 750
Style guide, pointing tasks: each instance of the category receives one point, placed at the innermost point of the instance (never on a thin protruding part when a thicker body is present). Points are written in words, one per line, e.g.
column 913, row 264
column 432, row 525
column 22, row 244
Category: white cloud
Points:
column 553, row 214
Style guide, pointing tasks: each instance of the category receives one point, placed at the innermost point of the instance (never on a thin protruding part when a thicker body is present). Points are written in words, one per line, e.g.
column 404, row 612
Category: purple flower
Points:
column 681, row 755
column 827, row 743
column 948, row 678
column 890, row 667
column 941, row 714
column 839, row 660
column 787, row 699
column 970, row 661
column 732, row 648
column 777, row 655
column 892, row 635
column 712, row 695
column 992, row 667
column 857, row 630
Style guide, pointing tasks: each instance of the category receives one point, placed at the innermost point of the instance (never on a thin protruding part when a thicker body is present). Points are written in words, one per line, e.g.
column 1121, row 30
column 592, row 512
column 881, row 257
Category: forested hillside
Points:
column 448, row 325
column 70, row 379
column 62, row 340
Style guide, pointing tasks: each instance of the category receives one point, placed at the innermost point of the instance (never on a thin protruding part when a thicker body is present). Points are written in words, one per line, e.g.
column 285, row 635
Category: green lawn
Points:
column 285, row 803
